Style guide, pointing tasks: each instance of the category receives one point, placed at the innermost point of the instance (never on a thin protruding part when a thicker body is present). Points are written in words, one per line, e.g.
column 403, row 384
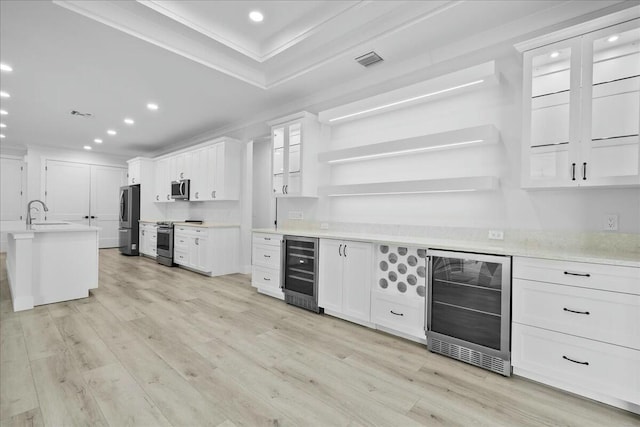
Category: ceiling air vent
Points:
column 80, row 114
column 369, row 59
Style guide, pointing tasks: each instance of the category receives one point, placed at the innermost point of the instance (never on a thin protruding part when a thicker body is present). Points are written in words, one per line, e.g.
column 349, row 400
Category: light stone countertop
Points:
column 49, row 227
column 191, row 224
column 595, row 256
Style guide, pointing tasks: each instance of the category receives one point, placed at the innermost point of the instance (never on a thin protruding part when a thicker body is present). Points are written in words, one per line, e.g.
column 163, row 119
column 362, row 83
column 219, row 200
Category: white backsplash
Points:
column 227, row 212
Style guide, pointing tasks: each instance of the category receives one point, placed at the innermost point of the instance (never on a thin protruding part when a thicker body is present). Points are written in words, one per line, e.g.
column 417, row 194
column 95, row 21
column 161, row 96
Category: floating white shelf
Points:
column 441, row 185
column 450, row 84
column 468, row 137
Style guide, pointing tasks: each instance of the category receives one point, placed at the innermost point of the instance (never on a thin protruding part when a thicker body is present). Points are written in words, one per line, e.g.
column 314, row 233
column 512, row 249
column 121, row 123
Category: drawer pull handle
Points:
column 267, row 256
column 267, row 238
column 574, row 311
column 575, row 361
column 577, row 274
column 397, row 314
column 267, row 279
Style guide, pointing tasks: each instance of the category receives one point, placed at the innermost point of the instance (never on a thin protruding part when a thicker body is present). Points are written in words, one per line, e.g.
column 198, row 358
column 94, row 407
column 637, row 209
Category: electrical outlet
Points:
column 295, row 215
column 324, row 226
column 610, row 222
column 496, row 234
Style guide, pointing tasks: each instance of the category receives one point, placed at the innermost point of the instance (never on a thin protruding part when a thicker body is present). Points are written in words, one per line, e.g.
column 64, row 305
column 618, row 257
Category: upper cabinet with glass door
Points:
column 581, row 110
column 295, row 141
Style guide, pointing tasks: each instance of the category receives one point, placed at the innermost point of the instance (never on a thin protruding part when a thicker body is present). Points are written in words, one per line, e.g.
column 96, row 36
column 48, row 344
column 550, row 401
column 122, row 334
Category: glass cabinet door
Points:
column 611, row 106
column 295, row 145
column 278, row 160
column 551, row 91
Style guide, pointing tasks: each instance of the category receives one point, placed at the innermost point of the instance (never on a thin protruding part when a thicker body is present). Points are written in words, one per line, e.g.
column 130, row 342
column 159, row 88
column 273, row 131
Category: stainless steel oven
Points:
column 164, row 245
column 469, row 308
column 180, row 189
column 300, row 272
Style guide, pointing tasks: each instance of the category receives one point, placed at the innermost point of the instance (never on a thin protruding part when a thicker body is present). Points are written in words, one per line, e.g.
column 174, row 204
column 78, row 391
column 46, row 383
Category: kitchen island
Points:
column 51, row 262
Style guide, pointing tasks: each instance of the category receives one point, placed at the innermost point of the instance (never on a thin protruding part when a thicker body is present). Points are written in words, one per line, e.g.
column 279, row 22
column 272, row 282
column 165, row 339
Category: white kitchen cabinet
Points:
column 295, row 141
column 582, row 110
column 266, row 258
column 213, row 251
column 180, row 166
column 345, row 273
column 148, row 239
column 398, row 295
column 576, row 326
column 134, row 171
column 163, row 181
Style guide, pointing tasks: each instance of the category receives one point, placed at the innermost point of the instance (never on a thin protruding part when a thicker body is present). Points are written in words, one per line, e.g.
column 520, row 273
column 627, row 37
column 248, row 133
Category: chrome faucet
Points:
column 29, row 219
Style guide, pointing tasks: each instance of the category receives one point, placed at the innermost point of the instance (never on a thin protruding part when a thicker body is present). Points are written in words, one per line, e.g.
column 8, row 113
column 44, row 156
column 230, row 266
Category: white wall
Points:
column 508, row 208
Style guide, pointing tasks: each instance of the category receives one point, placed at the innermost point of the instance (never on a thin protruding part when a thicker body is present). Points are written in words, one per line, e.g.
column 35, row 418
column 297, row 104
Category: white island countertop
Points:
column 590, row 255
column 49, row 262
column 50, row 227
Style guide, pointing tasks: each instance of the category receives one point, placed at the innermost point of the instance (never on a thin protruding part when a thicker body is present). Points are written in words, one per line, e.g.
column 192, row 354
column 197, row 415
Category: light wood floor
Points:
column 156, row 346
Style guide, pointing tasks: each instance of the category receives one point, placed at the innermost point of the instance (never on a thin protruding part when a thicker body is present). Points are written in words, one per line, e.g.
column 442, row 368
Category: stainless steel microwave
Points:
column 180, row 189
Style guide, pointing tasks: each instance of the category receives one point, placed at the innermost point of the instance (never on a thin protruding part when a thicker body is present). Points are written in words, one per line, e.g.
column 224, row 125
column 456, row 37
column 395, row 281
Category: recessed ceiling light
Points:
column 2, row 135
column 5, row 68
column 613, row 38
column 256, row 16
column 152, row 106
column 112, row 132
column 3, row 112
column 129, row 121
column 4, row 94
column 555, row 54
column 97, row 141
column 2, row 125
column 87, row 147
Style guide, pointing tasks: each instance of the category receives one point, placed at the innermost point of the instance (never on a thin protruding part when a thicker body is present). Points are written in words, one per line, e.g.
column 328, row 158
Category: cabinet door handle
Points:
column 197, row 241
column 197, row 195
column 267, row 238
column 574, row 311
column 575, row 361
column 86, row 217
column 340, row 250
column 283, row 189
column 158, row 197
column 267, row 279
column 167, row 197
column 181, row 174
column 397, row 314
column 143, row 232
column 573, row 171
column 267, row 256
column 584, row 171
column 345, row 251
column 577, row 274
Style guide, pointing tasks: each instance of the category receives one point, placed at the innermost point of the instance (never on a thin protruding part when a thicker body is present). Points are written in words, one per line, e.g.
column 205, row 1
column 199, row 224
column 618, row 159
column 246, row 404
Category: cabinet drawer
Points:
column 267, row 239
column 605, row 316
column 398, row 313
column 569, row 360
column 186, row 230
column 595, row 276
column 266, row 256
column 180, row 242
column 180, row 257
column 262, row 277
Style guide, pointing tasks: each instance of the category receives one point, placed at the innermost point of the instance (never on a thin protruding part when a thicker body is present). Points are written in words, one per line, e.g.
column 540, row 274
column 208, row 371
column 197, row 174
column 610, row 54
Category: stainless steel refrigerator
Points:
column 129, row 217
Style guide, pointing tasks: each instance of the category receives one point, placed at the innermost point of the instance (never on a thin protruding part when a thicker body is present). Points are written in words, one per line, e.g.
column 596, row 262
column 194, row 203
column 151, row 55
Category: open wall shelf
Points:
column 459, row 138
column 472, row 78
column 442, row 185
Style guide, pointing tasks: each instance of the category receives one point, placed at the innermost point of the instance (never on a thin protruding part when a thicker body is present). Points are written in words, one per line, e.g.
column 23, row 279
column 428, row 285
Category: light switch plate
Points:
column 296, row 215
column 496, row 235
column 610, row 222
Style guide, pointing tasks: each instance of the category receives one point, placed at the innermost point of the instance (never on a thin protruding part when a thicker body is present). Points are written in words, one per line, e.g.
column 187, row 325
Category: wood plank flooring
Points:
column 158, row 346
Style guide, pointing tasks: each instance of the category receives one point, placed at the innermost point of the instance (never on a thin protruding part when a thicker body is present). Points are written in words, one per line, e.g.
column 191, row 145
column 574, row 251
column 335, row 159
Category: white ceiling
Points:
column 211, row 70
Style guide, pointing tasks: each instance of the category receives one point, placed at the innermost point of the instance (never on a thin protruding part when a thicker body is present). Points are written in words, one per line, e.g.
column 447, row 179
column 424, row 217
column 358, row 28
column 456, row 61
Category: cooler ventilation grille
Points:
column 369, row 59
column 472, row 357
column 305, row 303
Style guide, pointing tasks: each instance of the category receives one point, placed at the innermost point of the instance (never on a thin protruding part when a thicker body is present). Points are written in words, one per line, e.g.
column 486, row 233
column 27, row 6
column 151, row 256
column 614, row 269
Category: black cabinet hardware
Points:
column 577, row 274
column 574, row 311
column 573, row 171
column 584, row 171
column 397, row 314
column 575, row 361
